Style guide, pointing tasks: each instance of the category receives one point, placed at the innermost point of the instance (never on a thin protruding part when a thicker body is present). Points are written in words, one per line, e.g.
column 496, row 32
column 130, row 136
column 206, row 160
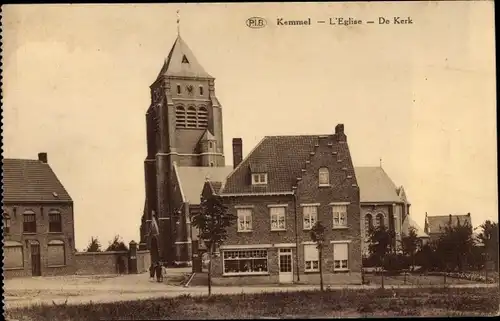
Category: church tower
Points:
column 184, row 126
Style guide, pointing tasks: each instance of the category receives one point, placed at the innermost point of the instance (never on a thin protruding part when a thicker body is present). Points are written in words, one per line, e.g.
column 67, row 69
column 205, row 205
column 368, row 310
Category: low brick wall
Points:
column 94, row 263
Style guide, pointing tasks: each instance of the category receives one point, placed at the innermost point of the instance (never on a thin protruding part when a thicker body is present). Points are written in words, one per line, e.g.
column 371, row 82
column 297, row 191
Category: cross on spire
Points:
column 381, row 162
column 178, row 23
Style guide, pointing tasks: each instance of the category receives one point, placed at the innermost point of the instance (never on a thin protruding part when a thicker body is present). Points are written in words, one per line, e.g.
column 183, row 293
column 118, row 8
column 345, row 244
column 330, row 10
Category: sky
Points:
column 421, row 97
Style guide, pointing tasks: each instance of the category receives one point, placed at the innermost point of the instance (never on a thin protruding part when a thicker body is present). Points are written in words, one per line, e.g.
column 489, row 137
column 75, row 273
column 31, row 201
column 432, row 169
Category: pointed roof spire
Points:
column 181, row 62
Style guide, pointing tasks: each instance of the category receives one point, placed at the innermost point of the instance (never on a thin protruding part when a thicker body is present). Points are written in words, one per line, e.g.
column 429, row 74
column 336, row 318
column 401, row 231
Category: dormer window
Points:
column 324, row 176
column 259, row 178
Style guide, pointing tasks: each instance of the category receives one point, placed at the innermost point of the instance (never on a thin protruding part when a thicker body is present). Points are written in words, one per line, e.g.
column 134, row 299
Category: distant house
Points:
column 382, row 203
column 278, row 192
column 435, row 225
column 422, row 236
column 38, row 222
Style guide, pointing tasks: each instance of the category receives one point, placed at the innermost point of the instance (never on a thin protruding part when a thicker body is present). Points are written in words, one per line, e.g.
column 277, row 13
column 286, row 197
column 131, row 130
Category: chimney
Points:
column 42, row 157
column 339, row 133
column 237, row 151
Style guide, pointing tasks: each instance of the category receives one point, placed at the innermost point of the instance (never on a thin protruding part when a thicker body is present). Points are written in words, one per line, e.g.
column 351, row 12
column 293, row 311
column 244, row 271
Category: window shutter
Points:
column 311, row 252
column 13, row 257
column 340, row 251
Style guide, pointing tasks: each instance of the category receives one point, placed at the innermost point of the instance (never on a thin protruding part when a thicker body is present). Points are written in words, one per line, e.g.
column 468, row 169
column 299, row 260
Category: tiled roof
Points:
column 181, row 62
column 282, row 158
column 436, row 224
column 26, row 180
column 409, row 222
column 376, row 186
column 192, row 179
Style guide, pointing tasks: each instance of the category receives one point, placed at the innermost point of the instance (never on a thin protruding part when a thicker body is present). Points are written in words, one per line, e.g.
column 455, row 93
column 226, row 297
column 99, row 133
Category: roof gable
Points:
column 181, row 62
column 409, row 222
column 193, row 178
column 26, row 180
column 376, row 186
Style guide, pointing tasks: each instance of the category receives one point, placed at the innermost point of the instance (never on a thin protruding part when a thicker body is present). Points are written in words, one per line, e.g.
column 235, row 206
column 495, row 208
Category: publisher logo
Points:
column 256, row 22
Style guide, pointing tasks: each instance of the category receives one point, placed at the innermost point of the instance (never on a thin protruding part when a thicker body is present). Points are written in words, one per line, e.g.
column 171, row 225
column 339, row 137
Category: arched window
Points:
column 368, row 223
column 380, row 220
column 180, row 117
column 56, row 253
column 324, row 176
column 55, row 222
column 6, row 223
column 191, row 117
column 202, row 117
column 29, row 222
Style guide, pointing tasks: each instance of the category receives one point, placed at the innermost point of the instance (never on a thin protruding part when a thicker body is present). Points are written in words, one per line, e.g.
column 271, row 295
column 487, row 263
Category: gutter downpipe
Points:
column 296, row 235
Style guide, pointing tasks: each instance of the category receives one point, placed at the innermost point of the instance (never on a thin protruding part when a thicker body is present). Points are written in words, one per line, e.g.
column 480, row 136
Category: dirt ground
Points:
column 111, row 288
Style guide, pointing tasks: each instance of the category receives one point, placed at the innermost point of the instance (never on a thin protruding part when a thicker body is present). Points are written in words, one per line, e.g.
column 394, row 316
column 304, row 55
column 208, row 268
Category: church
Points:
column 184, row 148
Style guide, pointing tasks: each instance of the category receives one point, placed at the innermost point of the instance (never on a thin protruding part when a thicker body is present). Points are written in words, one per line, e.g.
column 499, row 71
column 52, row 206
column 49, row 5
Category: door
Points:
column 35, row 260
column 285, row 265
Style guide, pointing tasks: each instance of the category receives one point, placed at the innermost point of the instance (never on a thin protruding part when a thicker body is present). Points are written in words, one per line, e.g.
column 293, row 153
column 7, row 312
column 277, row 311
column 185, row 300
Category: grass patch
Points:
column 331, row 303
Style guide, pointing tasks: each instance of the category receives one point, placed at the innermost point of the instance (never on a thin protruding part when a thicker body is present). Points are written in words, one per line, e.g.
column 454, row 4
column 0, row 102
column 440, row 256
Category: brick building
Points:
column 278, row 192
column 184, row 145
column 38, row 222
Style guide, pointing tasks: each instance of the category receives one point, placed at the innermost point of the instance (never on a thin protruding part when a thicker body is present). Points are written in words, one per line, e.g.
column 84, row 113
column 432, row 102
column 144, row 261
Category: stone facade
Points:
column 34, row 264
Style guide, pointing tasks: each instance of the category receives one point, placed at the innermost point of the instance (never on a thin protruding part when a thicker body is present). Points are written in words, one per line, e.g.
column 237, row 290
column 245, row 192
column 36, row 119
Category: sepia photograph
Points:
column 249, row 160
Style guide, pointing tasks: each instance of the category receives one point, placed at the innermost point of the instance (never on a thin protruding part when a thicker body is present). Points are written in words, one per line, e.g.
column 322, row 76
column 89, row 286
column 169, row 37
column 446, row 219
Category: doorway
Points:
column 285, row 265
column 36, row 269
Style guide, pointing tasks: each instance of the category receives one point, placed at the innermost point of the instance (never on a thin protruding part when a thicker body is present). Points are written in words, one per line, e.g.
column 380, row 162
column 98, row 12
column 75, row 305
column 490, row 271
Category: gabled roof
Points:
column 192, row 179
column 216, row 186
column 207, row 136
column 26, row 180
column 282, row 158
column 376, row 186
column 409, row 222
column 436, row 224
column 181, row 62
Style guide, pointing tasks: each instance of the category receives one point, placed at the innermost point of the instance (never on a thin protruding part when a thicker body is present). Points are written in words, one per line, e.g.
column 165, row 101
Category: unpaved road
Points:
column 77, row 289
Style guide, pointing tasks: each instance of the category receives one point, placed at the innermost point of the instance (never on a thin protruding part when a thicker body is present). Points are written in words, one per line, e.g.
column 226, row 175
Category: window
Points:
column 178, row 89
column 13, row 255
column 310, row 216
column 324, row 176
column 6, row 223
column 277, row 218
column 259, row 179
column 191, row 117
column 180, row 117
column 202, row 120
column 368, row 224
column 55, row 224
column 380, row 220
column 340, row 256
column 185, row 60
column 245, row 262
column 210, row 145
column 56, row 253
column 201, row 90
column 29, row 222
column 244, row 220
column 339, row 215
column 311, row 258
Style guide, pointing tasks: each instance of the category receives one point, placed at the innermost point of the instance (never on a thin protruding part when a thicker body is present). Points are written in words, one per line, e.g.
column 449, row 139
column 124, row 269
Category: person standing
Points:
column 152, row 271
column 159, row 277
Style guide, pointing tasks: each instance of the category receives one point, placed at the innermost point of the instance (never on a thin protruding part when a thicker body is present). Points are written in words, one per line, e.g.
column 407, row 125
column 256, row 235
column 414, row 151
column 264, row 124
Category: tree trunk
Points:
column 321, row 269
column 210, row 270
column 382, row 270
